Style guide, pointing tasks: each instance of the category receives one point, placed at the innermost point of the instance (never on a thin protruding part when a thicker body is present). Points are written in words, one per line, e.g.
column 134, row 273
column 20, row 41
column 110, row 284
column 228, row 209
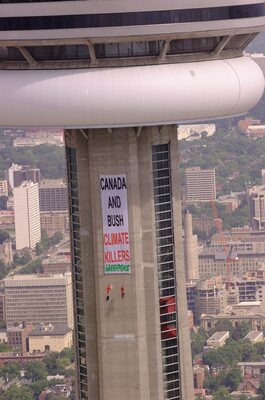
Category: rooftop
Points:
column 248, row 304
column 52, row 183
column 252, row 335
column 219, row 335
column 37, row 280
column 50, row 330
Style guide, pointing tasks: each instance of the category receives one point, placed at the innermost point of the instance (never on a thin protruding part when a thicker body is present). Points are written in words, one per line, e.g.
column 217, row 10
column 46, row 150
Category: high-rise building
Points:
column 22, row 173
column 210, row 298
column 38, row 299
column 53, row 195
column 256, row 201
column 54, row 209
column 200, row 185
column 118, row 76
column 27, row 215
column 52, row 222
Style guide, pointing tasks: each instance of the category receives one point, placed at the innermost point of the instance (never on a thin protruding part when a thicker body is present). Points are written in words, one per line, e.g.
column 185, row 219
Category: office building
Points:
column 200, row 185
column 54, row 213
column 53, row 196
column 50, row 337
column 38, row 299
column 27, row 215
column 206, row 224
column 210, row 298
column 56, row 264
column 17, row 337
column 232, row 254
column 119, row 76
column 52, row 222
column 256, row 200
column 243, row 124
column 252, row 311
column 22, row 173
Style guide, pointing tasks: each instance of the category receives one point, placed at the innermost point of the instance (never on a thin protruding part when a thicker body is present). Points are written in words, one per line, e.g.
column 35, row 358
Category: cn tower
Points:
column 118, row 76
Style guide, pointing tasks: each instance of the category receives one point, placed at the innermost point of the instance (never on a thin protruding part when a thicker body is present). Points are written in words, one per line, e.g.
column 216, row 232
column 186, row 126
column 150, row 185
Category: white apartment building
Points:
column 39, row 299
column 27, row 215
column 200, row 185
column 11, row 170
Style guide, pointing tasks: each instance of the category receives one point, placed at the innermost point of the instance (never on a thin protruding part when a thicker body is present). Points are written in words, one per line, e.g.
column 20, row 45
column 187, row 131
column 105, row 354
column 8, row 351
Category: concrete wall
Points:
column 56, row 343
column 123, row 343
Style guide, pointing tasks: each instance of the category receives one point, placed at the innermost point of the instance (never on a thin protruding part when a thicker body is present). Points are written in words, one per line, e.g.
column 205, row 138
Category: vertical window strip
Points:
column 77, row 272
column 166, row 270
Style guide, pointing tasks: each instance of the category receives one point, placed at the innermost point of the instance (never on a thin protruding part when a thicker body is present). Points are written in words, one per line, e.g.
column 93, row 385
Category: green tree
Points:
column 249, row 352
column 261, row 391
column 260, row 348
column 36, row 371
column 233, row 379
column 4, row 347
column 52, row 396
column 224, row 325
column 10, row 371
column 69, row 373
column 69, row 353
column 45, row 240
column 39, row 249
column 22, row 260
column 51, row 362
column 3, row 235
column 198, row 340
column 61, row 364
column 241, row 330
column 56, row 238
column 18, row 393
column 38, row 386
column 222, row 394
column 213, row 383
column 32, row 268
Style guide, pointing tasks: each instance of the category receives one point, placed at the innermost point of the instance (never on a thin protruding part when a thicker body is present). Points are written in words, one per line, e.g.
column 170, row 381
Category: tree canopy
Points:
column 236, row 158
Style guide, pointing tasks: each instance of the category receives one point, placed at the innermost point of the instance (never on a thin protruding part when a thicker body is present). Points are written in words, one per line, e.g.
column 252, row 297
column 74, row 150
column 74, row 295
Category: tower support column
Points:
column 131, row 317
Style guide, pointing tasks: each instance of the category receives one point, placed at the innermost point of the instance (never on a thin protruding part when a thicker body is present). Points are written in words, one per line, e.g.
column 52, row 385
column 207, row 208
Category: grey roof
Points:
column 219, row 335
column 50, row 330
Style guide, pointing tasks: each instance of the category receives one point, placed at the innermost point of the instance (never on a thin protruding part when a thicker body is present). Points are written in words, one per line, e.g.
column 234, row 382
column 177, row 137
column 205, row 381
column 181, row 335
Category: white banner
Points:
column 115, row 224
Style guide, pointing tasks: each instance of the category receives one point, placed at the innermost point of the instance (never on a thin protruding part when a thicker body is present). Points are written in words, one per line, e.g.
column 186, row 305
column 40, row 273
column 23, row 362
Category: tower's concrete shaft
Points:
column 135, row 346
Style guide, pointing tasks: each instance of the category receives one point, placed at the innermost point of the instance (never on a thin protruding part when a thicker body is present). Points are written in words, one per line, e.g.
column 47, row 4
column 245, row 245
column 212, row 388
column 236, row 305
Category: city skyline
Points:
column 119, row 78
